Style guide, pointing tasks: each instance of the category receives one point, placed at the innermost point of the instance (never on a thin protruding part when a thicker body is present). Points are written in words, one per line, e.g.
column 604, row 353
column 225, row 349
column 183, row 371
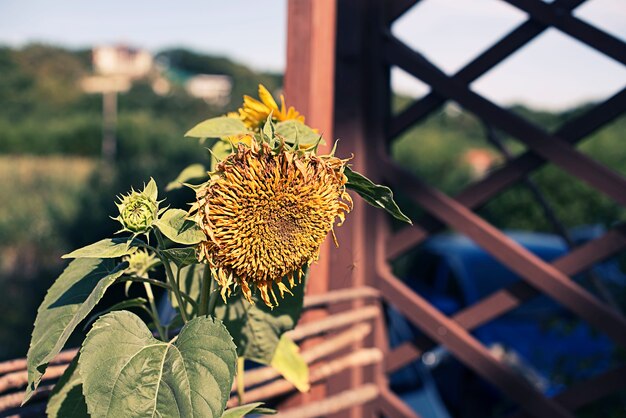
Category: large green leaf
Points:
column 192, row 172
column 106, row 248
column 123, row 305
column 175, row 225
column 290, row 364
column 218, row 128
column 251, row 408
column 256, row 329
column 128, row 373
column 68, row 301
column 67, row 400
column 374, row 194
column 294, row 129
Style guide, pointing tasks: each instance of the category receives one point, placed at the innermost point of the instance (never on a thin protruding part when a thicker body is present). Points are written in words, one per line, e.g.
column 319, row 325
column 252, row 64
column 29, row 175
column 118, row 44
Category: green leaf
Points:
column 292, row 129
column 125, row 304
column 68, row 301
column 192, row 172
column 251, row 408
column 256, row 329
column 374, row 194
column 128, row 373
column 67, row 400
column 218, row 128
column 181, row 256
column 288, row 362
column 175, row 225
column 107, row 248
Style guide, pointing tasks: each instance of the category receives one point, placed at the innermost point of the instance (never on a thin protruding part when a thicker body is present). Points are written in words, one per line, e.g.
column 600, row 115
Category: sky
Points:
column 553, row 72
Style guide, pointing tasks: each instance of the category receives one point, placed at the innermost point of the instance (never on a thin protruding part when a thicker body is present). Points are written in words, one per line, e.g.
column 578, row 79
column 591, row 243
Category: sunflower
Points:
column 254, row 112
column 266, row 212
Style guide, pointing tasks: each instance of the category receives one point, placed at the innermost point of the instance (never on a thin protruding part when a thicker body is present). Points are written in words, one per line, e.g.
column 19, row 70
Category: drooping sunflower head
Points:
column 254, row 112
column 266, row 212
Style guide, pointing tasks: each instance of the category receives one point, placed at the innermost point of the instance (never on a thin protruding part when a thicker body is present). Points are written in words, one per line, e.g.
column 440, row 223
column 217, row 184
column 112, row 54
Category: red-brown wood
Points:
column 349, row 64
column 309, row 87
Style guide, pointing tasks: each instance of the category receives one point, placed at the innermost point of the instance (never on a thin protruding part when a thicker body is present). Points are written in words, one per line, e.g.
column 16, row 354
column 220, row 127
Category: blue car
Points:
column 544, row 342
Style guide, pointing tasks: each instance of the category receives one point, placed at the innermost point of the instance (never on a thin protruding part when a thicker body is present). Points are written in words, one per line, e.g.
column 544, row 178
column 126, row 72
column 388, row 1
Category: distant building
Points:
column 213, row 89
column 120, row 60
column 480, row 160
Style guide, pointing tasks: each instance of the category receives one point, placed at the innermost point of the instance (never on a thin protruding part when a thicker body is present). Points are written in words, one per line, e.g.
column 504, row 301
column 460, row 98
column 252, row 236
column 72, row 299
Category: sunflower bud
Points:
column 140, row 262
column 139, row 210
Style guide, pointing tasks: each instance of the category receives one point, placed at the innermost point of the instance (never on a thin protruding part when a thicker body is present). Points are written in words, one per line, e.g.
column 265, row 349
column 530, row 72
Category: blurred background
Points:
column 96, row 97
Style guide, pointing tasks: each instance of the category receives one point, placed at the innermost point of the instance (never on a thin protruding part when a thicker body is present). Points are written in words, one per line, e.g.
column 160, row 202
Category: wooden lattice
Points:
column 365, row 50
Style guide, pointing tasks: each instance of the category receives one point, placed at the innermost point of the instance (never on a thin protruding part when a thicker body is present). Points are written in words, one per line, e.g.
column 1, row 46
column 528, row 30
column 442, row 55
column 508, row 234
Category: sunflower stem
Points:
column 170, row 276
column 241, row 390
column 155, row 312
column 207, row 288
column 188, row 298
column 212, row 300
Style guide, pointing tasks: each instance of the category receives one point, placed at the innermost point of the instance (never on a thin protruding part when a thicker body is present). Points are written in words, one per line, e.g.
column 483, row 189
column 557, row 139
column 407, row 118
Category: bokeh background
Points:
column 177, row 64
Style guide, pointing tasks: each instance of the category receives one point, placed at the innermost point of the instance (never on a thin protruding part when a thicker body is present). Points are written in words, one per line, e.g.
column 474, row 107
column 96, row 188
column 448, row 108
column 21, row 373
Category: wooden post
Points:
column 332, row 78
column 309, row 87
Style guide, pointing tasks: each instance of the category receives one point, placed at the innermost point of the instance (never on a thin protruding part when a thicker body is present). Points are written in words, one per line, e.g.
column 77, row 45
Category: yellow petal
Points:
column 267, row 99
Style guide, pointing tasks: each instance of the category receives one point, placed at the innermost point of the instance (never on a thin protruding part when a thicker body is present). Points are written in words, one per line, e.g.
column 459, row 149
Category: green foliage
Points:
column 189, row 278
column 243, row 410
column 190, row 376
column 376, row 195
column 68, row 302
column 175, row 225
column 217, row 128
column 293, row 130
column 67, row 400
column 190, row 173
column 436, row 151
column 256, row 328
column 106, row 248
column 181, row 257
column 288, row 362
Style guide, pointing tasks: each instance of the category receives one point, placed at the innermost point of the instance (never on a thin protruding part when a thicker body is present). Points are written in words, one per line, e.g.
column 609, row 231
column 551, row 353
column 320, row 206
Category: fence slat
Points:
column 465, row 347
column 502, row 49
column 480, row 192
column 504, row 300
column 554, row 148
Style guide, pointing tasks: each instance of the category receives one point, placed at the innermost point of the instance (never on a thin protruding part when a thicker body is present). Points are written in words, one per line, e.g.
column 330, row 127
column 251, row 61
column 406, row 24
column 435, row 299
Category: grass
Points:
column 39, row 196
